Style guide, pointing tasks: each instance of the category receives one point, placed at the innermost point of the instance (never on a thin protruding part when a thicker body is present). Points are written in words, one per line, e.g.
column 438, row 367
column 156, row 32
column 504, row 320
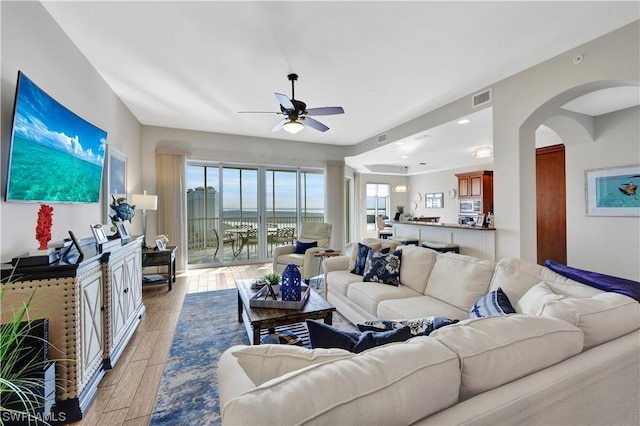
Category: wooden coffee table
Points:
column 257, row 319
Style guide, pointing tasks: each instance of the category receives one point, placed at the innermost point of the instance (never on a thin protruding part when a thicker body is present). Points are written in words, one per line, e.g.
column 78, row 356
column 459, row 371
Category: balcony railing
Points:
column 204, row 243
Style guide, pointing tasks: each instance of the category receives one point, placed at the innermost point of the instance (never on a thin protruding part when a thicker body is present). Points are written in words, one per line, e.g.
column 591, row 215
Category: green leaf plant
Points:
column 21, row 392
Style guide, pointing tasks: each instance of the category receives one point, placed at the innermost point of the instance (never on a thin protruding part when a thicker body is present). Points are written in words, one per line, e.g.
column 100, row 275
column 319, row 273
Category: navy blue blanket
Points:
column 600, row 281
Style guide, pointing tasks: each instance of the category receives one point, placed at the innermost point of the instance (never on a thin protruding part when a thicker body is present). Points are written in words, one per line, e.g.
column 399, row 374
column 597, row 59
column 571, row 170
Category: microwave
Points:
column 470, row 206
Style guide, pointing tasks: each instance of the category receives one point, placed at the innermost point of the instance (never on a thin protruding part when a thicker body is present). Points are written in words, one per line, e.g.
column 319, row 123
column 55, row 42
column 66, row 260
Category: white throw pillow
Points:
column 534, row 300
column 602, row 317
column 499, row 349
column 265, row 362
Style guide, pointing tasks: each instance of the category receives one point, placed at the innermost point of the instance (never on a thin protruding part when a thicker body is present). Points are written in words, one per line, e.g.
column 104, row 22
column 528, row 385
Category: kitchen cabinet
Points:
column 478, row 185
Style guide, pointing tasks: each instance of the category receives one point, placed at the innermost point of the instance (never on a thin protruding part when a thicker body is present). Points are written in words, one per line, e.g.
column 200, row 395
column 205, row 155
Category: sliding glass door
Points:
column 238, row 214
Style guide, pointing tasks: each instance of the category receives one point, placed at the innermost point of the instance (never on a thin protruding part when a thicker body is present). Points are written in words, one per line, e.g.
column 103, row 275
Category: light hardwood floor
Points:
column 127, row 393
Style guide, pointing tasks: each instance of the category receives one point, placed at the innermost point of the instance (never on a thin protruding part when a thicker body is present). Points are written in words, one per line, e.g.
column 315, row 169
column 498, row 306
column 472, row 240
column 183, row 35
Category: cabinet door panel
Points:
column 91, row 340
column 476, row 186
column 463, row 187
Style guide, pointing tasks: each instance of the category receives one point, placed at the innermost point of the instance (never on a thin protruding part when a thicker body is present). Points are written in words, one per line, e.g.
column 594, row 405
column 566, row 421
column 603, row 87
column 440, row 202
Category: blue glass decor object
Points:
column 291, row 287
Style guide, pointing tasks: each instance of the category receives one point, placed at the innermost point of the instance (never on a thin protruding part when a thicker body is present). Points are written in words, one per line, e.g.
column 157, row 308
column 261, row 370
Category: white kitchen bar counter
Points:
column 476, row 242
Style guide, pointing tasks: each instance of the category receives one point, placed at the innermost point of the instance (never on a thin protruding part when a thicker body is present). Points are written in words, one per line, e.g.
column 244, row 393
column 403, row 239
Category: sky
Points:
column 284, row 186
column 39, row 118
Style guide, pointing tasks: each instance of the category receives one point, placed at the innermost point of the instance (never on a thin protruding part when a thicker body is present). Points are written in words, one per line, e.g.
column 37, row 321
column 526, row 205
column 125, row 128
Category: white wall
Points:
column 33, row 43
column 607, row 244
column 441, row 181
column 609, row 61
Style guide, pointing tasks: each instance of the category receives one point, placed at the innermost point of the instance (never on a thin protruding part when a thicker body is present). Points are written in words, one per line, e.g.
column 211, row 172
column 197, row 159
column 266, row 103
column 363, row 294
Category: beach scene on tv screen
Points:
column 55, row 156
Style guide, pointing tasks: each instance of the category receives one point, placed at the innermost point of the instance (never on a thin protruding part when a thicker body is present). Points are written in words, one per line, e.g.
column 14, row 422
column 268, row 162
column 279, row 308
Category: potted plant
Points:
column 399, row 213
column 272, row 278
column 21, row 388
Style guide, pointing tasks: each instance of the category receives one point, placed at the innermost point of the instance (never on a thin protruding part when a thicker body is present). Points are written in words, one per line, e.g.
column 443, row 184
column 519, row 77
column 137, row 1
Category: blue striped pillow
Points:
column 492, row 303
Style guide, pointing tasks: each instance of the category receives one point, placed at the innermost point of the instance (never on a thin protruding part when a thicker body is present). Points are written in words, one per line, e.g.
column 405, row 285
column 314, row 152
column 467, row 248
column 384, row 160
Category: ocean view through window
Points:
column 237, row 214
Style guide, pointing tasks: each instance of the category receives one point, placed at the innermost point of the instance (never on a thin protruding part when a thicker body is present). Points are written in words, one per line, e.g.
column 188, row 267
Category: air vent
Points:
column 382, row 138
column 481, row 98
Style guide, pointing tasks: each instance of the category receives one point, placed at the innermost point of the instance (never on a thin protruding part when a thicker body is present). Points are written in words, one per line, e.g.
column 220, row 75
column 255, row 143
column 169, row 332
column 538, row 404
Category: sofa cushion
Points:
column 341, row 280
column 322, row 335
column 302, row 246
column 263, row 363
column 459, row 280
column 416, row 266
column 493, row 303
column 499, row 349
column 368, row 294
column 516, row 277
column 377, row 391
column 383, row 267
column 602, row 317
column 420, row 306
column 418, row 326
column 295, row 258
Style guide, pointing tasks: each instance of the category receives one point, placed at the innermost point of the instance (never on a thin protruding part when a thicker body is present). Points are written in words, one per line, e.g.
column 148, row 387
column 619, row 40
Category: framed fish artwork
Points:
column 613, row 191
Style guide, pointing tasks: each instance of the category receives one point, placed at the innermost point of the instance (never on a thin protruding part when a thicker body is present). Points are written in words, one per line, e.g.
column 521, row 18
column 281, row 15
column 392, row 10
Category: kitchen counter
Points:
column 476, row 242
column 444, row 225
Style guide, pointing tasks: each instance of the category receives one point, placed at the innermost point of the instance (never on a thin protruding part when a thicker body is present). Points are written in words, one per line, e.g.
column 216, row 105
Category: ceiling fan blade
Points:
column 278, row 126
column 314, row 123
column 259, row 112
column 284, row 101
column 325, row 111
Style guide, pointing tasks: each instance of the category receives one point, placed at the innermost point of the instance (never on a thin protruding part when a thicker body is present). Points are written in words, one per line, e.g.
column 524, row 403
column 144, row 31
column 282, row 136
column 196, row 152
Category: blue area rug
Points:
column 208, row 325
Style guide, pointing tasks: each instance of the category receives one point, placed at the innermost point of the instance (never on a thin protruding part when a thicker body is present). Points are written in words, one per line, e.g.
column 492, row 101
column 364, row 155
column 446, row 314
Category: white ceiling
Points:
column 194, row 65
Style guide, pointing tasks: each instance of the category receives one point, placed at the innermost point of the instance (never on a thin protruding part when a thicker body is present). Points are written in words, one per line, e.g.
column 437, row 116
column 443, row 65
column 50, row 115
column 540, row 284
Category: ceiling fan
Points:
column 296, row 112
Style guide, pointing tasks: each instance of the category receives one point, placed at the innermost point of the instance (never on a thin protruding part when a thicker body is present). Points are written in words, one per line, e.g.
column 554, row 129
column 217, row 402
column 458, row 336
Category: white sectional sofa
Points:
column 569, row 355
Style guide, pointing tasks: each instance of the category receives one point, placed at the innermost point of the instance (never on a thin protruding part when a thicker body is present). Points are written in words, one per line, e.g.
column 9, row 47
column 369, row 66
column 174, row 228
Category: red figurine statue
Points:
column 43, row 228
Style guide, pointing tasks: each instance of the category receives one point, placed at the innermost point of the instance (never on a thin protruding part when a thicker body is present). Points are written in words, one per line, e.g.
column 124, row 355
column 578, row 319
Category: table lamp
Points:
column 144, row 202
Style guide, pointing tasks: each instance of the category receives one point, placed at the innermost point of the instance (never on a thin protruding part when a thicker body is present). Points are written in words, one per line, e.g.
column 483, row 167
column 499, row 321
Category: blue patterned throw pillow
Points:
column 301, row 247
column 322, row 335
column 418, row 326
column 492, row 303
column 361, row 259
column 383, row 268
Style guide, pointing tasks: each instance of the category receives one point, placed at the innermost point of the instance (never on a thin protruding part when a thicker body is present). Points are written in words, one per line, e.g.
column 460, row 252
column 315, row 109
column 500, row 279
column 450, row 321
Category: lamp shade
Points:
column 144, row 201
column 293, row 126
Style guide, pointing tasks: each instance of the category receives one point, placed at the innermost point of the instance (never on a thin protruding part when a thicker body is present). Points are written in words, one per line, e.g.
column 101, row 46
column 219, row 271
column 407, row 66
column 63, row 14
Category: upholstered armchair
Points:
column 307, row 263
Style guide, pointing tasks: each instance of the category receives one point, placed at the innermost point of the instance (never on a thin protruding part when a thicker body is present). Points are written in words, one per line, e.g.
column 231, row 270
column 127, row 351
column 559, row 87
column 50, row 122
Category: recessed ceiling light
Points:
column 399, row 143
column 404, row 157
column 423, row 164
column 464, row 121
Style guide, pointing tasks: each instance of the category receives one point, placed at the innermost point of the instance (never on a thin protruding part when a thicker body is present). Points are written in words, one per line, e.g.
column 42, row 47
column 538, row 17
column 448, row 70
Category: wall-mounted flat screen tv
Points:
column 55, row 156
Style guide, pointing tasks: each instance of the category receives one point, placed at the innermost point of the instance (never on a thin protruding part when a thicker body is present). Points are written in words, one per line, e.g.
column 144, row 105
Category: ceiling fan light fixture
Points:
column 484, row 151
column 293, row 126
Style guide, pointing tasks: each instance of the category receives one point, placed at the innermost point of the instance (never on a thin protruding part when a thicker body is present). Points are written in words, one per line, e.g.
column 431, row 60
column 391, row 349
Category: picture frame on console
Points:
column 613, row 191
column 99, row 234
column 116, row 179
column 161, row 245
column 123, row 231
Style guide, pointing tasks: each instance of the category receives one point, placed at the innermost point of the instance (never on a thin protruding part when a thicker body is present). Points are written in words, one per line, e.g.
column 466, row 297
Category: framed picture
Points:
column 434, row 200
column 116, row 181
column 123, row 231
column 161, row 245
column 99, row 234
column 613, row 191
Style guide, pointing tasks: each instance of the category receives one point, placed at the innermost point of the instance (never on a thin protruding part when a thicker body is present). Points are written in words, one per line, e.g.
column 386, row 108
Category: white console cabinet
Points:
column 94, row 306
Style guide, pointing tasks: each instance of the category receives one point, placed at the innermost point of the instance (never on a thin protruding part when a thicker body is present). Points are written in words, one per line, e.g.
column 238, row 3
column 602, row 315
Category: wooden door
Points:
column 551, row 204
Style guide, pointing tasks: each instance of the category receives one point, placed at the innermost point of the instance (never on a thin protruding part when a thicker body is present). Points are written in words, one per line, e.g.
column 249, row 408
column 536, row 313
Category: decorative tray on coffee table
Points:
column 262, row 299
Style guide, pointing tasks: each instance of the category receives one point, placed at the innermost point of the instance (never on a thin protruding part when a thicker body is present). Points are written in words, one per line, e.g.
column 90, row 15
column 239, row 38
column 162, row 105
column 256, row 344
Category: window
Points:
column 377, row 203
column 239, row 213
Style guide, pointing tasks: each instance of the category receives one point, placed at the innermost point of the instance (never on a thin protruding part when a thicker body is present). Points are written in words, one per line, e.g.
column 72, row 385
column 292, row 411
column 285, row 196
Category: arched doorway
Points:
column 572, row 128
